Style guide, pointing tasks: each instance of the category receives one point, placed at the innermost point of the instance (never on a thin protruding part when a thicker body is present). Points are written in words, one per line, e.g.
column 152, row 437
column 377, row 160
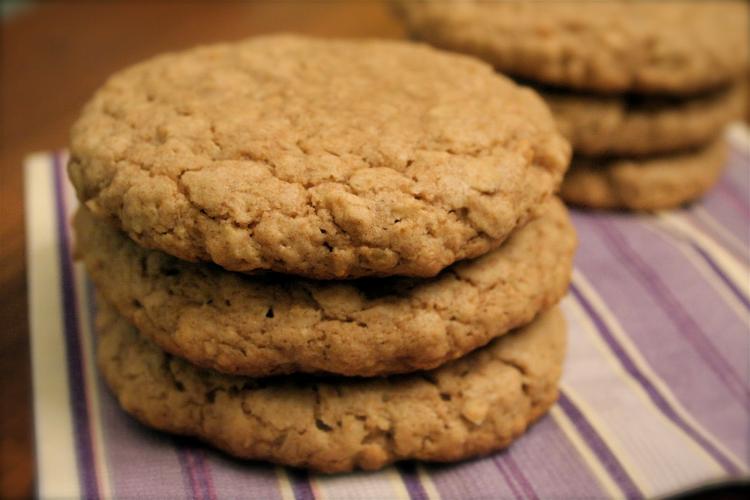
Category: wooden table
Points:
column 53, row 57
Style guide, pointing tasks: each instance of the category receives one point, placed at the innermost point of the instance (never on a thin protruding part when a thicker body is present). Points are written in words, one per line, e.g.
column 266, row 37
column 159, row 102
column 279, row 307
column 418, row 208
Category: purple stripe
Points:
column 204, row 474
column 196, row 470
column 192, row 465
column 301, row 484
column 553, row 464
column 78, row 395
column 408, row 471
column 518, row 474
column 600, row 448
column 738, row 249
column 507, row 477
column 736, row 291
column 656, row 397
column 662, row 294
column 188, row 472
column 230, row 477
column 720, row 209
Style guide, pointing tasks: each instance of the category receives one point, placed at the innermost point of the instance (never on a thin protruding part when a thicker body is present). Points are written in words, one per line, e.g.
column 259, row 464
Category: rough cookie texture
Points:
column 469, row 407
column 607, row 46
column 638, row 125
column 327, row 159
column 276, row 324
column 646, row 184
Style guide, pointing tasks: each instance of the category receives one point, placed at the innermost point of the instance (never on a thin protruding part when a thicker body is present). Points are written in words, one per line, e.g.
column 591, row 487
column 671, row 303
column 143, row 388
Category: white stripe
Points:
column 623, row 444
column 664, row 433
column 642, row 365
column 733, row 269
column 427, row 484
column 386, row 483
column 57, row 473
column 716, row 226
column 738, row 135
column 708, row 274
column 92, row 385
column 285, row 484
column 593, row 463
column 88, row 356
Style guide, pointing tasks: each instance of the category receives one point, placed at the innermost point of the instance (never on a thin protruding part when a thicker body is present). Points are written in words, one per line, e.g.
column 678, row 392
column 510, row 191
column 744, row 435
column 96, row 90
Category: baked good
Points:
column 643, row 125
column 677, row 47
column 322, row 158
column 472, row 406
column 650, row 183
column 263, row 325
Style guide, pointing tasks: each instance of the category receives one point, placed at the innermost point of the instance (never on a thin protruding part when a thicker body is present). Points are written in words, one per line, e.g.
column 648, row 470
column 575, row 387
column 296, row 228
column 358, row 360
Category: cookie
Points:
column 321, row 158
column 472, row 406
column 646, row 184
column 278, row 324
column 676, row 47
column 638, row 125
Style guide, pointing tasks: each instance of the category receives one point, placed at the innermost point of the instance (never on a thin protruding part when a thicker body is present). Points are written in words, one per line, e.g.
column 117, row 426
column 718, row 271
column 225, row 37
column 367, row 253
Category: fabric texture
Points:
column 655, row 393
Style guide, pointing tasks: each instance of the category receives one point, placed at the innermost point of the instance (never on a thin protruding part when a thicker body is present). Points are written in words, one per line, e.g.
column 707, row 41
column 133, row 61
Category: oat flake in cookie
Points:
column 472, row 406
column 322, row 158
column 278, row 324
column 677, row 47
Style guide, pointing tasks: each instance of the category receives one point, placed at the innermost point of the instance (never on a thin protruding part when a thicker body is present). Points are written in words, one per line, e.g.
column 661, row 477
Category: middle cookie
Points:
column 274, row 324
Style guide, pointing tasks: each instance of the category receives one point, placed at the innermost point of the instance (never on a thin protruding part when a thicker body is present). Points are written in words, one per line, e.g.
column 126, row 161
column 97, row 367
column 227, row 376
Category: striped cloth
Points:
column 655, row 398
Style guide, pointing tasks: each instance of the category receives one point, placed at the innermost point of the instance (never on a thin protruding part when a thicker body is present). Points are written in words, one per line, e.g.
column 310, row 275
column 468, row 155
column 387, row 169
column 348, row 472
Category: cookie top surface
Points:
column 605, row 46
column 322, row 158
column 638, row 125
column 648, row 184
column 471, row 406
column 277, row 324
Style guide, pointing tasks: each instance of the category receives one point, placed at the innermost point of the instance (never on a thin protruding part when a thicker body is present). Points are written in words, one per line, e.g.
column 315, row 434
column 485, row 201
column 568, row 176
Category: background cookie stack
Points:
column 642, row 89
column 275, row 228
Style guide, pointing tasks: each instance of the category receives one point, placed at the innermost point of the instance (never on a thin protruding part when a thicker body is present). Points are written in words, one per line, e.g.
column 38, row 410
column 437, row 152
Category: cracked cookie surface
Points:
column 651, row 183
column 641, row 125
column 471, row 406
column 263, row 325
column 610, row 46
column 321, row 158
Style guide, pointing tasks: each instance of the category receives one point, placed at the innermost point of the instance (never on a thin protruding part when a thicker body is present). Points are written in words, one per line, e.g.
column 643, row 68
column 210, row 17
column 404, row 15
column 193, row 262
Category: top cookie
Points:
column 327, row 159
column 612, row 46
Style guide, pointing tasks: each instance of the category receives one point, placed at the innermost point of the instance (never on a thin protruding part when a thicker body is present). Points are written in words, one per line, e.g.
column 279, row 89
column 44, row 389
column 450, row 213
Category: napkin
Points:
column 654, row 400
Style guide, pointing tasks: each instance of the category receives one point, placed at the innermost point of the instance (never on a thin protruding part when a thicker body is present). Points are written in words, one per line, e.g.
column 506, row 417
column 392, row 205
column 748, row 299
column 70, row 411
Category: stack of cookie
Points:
column 642, row 89
column 327, row 254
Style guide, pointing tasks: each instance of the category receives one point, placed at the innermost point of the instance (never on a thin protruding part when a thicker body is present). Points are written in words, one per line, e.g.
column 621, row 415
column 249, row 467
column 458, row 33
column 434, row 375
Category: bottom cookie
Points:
column 471, row 406
column 644, row 184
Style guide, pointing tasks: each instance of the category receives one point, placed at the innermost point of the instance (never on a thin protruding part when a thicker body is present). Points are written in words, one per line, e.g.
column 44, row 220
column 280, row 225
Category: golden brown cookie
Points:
column 471, row 406
column 678, row 47
column 263, row 325
column 641, row 125
column 322, row 158
column 644, row 184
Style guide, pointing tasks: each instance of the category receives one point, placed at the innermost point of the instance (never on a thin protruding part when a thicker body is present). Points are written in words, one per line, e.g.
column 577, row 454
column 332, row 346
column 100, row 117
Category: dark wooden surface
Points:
column 53, row 57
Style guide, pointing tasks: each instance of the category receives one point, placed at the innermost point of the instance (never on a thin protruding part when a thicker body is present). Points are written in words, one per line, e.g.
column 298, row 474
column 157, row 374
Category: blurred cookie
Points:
column 641, row 125
column 644, row 184
column 263, row 325
column 472, row 406
column 675, row 47
column 322, row 158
